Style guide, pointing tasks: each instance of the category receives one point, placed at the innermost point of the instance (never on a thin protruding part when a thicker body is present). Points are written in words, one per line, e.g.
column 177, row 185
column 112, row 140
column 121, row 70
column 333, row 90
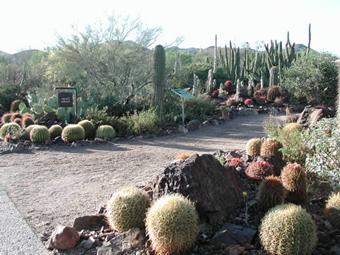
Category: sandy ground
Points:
column 55, row 186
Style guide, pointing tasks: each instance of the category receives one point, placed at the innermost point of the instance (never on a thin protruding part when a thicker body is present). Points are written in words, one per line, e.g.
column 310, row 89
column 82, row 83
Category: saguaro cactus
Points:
column 158, row 79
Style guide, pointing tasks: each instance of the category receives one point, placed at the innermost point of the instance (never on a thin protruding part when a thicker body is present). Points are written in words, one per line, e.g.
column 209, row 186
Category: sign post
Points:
column 65, row 97
column 183, row 94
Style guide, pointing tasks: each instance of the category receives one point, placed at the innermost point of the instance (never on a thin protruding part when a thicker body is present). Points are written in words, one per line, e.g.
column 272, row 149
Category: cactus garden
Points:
column 114, row 142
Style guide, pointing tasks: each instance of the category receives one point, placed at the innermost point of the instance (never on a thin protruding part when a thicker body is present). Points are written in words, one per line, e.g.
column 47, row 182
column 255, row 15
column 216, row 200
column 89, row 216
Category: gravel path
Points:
column 55, row 186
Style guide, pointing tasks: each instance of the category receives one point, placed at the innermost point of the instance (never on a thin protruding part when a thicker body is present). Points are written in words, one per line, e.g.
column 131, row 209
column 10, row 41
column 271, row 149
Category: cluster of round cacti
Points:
column 25, row 134
column 182, row 156
column 89, row 128
column 127, row 209
column 105, row 132
column 271, row 147
column 27, row 120
column 271, row 193
column 55, row 131
column 72, row 133
column 294, row 180
column 259, row 170
column 235, row 162
column 6, row 117
column 253, row 147
column 39, row 134
column 11, row 128
column 288, row 229
column 332, row 210
column 172, row 224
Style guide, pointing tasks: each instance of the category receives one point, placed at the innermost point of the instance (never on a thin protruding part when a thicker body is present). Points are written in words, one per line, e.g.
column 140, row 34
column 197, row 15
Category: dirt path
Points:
column 55, row 186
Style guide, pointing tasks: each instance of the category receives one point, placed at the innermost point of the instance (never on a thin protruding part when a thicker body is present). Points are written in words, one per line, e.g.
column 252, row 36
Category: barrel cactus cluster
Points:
column 39, row 134
column 55, row 131
column 271, row 147
column 253, row 147
column 259, row 170
column 72, row 133
column 89, row 128
column 105, row 132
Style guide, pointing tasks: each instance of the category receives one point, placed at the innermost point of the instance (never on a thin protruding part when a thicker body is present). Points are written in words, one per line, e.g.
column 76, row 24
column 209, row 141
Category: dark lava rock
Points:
column 63, row 238
column 91, row 222
column 231, row 234
column 193, row 125
column 310, row 115
column 214, row 189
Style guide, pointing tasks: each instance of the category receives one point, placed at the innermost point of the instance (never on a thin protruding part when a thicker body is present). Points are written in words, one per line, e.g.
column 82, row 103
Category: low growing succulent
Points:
column 253, row 147
column 72, row 133
column 271, row 193
column 127, row 209
column 11, row 129
column 294, row 180
column 39, row 135
column 288, row 229
column 88, row 127
column 172, row 224
column 332, row 210
column 55, row 131
column 106, row 132
column 259, row 170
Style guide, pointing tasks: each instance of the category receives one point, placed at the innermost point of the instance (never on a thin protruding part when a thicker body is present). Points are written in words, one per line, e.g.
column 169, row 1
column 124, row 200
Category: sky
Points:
column 35, row 24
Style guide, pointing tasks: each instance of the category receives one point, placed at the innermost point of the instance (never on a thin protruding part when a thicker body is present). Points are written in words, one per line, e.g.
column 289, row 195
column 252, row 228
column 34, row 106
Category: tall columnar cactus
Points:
column 274, row 76
column 288, row 230
column 159, row 78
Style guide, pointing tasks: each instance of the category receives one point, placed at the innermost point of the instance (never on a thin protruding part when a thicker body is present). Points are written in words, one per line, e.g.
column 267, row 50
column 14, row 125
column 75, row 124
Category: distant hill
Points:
column 19, row 57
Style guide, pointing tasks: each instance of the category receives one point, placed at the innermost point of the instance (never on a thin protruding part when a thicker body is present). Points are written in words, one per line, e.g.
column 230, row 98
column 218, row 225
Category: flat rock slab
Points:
column 16, row 237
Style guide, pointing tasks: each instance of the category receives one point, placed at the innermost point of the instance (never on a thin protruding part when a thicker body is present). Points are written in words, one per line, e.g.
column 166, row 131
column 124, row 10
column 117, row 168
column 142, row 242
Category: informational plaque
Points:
column 65, row 99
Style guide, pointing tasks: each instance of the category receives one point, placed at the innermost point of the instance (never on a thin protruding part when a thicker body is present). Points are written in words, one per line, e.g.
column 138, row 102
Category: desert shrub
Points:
column 288, row 230
column 271, row 193
column 273, row 126
column 312, row 78
column 127, row 209
column 8, row 93
column 172, row 224
column 55, row 131
column 106, row 132
column 294, row 180
column 12, row 129
column 259, row 170
column 39, row 134
column 253, row 147
column 88, row 127
column 72, row 133
column 332, row 210
column 323, row 158
column 292, row 127
column 145, row 122
column 182, row 156
column 199, row 108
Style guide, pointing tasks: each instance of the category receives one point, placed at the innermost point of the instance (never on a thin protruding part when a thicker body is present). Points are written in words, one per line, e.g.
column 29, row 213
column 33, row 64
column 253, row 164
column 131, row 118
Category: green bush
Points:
column 39, row 135
column 288, row 230
column 312, row 78
column 12, row 129
column 105, row 132
column 127, row 209
column 145, row 122
column 72, row 133
column 8, row 93
column 172, row 224
column 323, row 158
column 199, row 108
column 88, row 127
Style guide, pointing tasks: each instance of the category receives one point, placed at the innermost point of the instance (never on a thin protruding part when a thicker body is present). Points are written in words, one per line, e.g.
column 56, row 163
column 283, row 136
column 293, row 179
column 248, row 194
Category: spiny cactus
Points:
column 258, row 170
column 182, row 156
column 288, row 229
column 253, row 147
column 271, row 147
column 27, row 120
column 274, row 76
column 294, row 180
column 16, row 115
column 39, row 135
column 235, row 162
column 106, row 132
column 25, row 134
column 72, row 133
column 292, row 127
column 172, row 224
column 9, row 128
column 18, row 121
column 89, row 128
column 127, row 209
column 271, row 193
column 15, row 105
column 6, row 118
column 55, row 131
column 274, row 92
column 332, row 210
column 159, row 78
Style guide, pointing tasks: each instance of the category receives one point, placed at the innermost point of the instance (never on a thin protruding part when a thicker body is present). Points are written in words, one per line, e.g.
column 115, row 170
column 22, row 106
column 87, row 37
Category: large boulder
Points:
column 213, row 188
column 310, row 115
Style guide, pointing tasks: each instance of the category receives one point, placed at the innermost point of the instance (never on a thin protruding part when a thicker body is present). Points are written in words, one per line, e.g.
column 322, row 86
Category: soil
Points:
column 55, row 185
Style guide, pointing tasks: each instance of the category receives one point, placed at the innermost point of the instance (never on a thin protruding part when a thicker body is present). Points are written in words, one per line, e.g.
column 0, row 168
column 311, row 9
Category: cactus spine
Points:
column 159, row 78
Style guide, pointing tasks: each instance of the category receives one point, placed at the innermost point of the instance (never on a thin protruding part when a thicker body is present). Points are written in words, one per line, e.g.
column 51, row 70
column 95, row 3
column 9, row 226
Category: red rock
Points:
column 63, row 238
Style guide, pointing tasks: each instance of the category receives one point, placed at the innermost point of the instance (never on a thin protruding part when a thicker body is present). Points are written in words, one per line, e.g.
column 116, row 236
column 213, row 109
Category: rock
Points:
column 91, row 222
column 63, row 238
column 235, row 250
column 231, row 234
column 128, row 240
column 310, row 115
column 193, row 125
column 214, row 189
column 87, row 244
column 105, row 251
